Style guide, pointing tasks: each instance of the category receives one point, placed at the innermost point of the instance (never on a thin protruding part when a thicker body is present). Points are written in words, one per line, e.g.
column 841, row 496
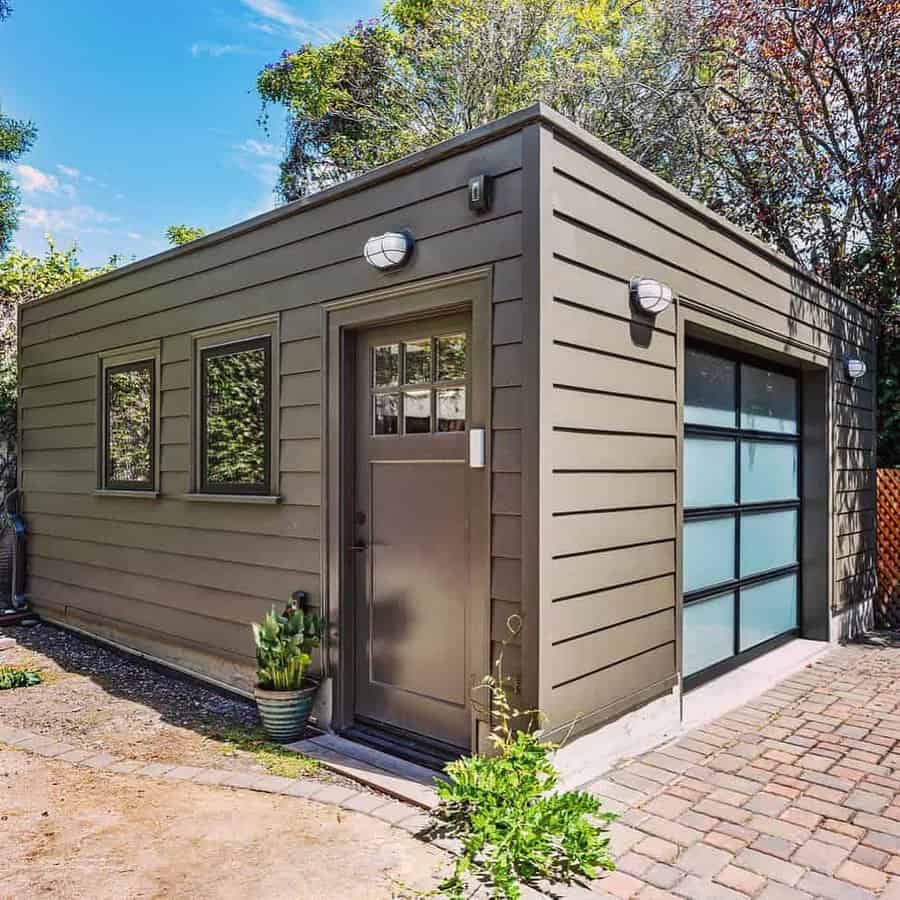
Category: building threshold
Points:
column 382, row 771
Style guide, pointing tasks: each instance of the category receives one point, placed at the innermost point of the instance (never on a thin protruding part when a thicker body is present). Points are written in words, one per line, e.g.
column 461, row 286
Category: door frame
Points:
column 341, row 319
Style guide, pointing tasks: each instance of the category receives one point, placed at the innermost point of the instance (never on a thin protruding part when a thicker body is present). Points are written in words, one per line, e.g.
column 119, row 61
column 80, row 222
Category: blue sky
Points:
column 147, row 113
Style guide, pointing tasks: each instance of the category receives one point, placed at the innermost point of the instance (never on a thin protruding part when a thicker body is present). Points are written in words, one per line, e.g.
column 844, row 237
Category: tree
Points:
column 803, row 121
column 16, row 138
column 25, row 277
column 429, row 69
column 183, row 234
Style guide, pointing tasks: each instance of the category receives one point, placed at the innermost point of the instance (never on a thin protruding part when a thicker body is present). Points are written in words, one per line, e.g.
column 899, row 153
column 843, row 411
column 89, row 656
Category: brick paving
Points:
column 793, row 796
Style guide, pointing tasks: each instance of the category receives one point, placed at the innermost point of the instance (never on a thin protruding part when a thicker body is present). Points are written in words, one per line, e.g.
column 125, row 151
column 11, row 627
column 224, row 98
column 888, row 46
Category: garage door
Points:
column 741, row 569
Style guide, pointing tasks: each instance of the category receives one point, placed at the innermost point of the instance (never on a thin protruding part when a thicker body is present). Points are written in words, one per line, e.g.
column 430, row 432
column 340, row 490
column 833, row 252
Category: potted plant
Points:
column 284, row 645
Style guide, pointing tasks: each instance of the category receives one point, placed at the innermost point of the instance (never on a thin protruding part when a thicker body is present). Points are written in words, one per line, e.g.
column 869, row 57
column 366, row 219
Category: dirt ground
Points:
column 68, row 832
column 96, row 697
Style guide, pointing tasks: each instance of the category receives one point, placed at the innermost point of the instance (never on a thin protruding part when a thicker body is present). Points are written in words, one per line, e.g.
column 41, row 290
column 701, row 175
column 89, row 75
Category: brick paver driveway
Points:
column 793, row 796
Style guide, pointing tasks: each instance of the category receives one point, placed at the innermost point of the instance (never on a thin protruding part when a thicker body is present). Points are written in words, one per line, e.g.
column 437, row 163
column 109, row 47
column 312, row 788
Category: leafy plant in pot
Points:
column 284, row 645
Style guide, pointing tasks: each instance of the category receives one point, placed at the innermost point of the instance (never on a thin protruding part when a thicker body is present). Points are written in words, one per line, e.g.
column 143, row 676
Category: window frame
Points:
column 433, row 386
column 138, row 356
column 221, row 341
column 735, row 510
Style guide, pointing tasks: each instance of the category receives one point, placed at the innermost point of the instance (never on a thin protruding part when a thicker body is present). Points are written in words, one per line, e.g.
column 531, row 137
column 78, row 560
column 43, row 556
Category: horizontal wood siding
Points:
column 612, row 426
column 183, row 579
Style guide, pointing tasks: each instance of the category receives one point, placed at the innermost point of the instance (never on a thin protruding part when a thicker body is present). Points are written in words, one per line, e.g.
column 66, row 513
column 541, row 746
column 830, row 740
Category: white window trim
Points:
column 150, row 351
column 220, row 336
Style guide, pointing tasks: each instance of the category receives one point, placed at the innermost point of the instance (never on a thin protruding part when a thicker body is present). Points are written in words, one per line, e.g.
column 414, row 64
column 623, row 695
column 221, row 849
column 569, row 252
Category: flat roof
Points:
column 537, row 112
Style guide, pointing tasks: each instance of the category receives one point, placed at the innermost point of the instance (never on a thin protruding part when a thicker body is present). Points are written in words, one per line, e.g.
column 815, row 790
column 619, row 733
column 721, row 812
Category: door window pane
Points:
column 709, row 390
column 768, row 401
column 451, row 357
column 417, row 356
column 708, row 632
column 130, row 425
column 768, row 541
column 417, row 412
column 387, row 413
column 451, row 409
column 387, row 365
column 709, row 476
column 768, row 471
column 767, row 610
column 708, row 552
column 235, row 414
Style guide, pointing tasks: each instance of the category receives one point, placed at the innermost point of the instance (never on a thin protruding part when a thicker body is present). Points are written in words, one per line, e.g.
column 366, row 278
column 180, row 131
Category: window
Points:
column 235, row 417
column 129, row 426
column 419, row 386
column 741, row 488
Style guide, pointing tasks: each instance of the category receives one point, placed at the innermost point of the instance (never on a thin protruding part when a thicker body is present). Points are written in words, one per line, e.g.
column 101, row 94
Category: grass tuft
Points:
column 17, row 677
column 276, row 759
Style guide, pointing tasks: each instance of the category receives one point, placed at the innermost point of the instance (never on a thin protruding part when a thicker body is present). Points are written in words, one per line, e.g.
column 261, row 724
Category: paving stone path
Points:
column 793, row 796
column 403, row 815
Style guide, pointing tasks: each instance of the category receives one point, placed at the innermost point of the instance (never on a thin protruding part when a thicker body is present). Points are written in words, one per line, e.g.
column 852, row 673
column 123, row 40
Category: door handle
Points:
column 358, row 548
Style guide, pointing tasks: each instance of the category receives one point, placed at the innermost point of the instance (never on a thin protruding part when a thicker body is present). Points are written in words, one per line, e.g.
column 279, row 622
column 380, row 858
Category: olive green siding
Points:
column 584, row 425
column 182, row 579
column 610, row 525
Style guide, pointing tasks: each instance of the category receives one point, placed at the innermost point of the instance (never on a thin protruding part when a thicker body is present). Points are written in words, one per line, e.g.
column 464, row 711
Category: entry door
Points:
column 411, row 527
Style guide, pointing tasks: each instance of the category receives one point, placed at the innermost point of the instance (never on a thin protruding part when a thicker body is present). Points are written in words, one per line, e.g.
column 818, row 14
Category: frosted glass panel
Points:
column 708, row 552
column 768, row 401
column 767, row 610
column 768, row 541
column 708, row 632
column 708, row 472
column 709, row 390
column 768, row 471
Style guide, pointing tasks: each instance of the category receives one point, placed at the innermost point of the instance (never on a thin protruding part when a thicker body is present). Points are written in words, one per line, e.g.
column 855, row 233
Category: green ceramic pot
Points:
column 284, row 714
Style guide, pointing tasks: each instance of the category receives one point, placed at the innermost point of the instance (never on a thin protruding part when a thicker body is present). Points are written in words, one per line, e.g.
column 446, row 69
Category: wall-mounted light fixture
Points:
column 650, row 296
column 854, row 367
column 389, row 250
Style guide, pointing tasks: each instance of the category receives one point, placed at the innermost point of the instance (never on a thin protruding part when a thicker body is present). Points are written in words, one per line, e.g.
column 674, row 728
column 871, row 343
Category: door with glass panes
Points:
column 741, row 570
column 411, row 528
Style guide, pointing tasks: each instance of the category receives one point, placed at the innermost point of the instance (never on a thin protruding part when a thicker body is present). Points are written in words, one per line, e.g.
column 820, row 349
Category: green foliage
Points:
column 25, row 277
column 276, row 759
column 129, row 431
column 236, row 416
column 183, row 234
column 16, row 138
column 515, row 828
column 284, row 644
column 429, row 69
column 17, row 677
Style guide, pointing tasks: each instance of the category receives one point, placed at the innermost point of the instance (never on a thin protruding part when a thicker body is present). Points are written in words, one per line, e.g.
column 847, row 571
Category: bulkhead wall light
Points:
column 854, row 367
column 389, row 250
column 650, row 296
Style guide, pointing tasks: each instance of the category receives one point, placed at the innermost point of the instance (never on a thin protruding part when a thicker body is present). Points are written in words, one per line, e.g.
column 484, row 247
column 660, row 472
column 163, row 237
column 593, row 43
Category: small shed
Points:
column 511, row 393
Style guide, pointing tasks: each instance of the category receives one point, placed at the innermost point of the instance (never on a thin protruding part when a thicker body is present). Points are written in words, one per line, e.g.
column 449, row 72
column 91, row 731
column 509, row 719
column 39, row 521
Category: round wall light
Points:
column 387, row 251
column 650, row 296
column 854, row 367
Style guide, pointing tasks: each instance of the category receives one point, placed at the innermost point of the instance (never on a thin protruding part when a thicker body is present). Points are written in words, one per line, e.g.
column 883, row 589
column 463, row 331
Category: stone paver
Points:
column 792, row 797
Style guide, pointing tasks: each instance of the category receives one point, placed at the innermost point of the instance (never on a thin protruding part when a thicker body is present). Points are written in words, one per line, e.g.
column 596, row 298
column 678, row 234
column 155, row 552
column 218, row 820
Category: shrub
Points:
column 15, row 677
column 513, row 825
column 284, row 644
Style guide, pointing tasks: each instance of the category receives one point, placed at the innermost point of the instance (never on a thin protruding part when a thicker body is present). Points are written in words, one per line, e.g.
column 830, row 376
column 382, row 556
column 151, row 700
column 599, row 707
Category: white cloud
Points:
column 274, row 11
column 254, row 147
column 68, row 171
column 205, row 48
column 79, row 218
column 34, row 181
column 135, row 235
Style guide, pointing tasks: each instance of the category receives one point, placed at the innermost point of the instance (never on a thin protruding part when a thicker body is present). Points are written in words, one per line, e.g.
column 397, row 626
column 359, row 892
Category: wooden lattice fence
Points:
column 887, row 526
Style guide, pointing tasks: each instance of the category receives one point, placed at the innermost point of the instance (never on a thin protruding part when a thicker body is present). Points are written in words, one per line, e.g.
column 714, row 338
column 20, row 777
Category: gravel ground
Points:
column 96, row 697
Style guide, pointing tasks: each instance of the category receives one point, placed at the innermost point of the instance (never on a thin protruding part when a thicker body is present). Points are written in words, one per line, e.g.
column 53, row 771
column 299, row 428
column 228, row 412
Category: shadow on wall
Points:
column 855, row 620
